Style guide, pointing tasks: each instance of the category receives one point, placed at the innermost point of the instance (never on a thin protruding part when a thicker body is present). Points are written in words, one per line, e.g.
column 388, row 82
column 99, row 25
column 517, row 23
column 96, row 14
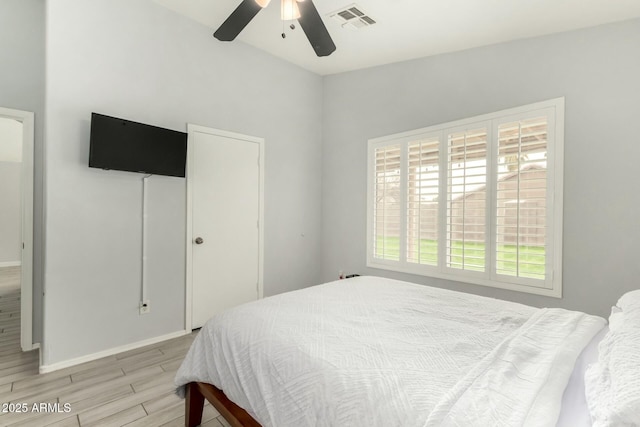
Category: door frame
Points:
column 191, row 130
column 26, row 266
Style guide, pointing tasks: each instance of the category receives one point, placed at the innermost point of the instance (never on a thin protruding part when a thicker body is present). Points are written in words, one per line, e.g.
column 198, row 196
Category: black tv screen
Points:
column 135, row 147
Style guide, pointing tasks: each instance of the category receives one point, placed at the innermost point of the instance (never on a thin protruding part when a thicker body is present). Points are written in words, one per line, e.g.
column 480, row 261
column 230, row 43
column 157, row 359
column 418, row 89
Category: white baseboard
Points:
column 110, row 352
column 10, row 264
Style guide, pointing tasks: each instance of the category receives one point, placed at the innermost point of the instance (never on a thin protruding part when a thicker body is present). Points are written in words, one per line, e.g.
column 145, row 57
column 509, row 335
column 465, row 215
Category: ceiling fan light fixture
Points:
column 289, row 10
column 306, row 13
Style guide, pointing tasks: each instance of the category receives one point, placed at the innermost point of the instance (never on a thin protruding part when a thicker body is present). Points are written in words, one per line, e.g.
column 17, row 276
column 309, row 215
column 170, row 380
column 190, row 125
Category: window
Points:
column 478, row 200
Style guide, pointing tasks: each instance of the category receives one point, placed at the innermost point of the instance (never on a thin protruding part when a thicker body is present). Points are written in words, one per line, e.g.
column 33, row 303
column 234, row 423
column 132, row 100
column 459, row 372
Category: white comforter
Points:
column 378, row 352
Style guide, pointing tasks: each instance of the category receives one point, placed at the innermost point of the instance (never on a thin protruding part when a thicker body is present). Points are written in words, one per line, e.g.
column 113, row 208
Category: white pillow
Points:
column 612, row 385
column 616, row 319
column 630, row 301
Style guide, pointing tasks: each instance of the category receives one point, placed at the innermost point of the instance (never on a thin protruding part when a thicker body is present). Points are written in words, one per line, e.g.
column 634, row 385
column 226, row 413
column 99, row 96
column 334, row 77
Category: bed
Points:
column 371, row 351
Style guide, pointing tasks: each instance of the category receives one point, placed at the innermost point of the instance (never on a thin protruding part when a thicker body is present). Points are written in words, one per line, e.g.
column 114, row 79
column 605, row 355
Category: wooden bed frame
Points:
column 196, row 393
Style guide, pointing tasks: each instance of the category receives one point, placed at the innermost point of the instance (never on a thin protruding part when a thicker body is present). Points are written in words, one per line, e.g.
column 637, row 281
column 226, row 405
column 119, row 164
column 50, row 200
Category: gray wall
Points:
column 596, row 70
column 22, row 88
column 10, row 212
column 137, row 60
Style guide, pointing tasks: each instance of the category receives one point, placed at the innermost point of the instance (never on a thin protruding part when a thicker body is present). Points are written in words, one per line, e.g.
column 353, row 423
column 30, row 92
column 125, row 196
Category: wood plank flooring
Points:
column 128, row 389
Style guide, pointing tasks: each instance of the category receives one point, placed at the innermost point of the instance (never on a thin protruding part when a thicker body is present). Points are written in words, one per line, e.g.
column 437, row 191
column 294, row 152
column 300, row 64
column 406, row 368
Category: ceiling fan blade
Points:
column 236, row 22
column 314, row 28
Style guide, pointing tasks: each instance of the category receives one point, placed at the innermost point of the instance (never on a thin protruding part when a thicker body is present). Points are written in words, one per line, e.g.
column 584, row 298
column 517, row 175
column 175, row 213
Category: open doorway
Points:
column 16, row 229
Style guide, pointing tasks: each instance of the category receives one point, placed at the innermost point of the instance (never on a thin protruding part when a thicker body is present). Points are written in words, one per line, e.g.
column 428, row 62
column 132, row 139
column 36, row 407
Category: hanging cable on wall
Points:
column 144, row 302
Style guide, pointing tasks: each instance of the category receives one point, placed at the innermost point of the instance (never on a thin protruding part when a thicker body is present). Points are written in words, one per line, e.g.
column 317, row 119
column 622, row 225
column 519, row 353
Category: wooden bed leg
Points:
column 194, row 402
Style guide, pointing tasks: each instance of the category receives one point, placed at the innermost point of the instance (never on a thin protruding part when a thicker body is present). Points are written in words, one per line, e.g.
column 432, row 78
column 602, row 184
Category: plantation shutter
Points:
column 521, row 228
column 466, row 200
column 422, row 201
column 477, row 200
column 387, row 203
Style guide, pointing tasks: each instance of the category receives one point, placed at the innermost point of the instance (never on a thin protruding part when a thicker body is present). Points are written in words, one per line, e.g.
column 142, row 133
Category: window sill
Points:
column 469, row 277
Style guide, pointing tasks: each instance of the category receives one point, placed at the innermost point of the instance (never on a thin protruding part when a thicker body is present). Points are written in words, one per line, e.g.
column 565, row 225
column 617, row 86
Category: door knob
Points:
column 199, row 241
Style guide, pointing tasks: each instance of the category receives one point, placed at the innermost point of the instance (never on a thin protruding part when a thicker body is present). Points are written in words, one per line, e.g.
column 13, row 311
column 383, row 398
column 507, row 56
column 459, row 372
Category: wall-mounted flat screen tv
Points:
column 124, row 145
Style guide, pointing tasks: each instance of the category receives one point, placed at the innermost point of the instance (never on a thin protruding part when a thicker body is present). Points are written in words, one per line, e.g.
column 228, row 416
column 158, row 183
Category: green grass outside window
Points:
column 532, row 258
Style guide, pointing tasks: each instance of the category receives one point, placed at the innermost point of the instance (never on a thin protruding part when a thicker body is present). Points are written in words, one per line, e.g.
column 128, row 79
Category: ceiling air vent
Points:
column 352, row 16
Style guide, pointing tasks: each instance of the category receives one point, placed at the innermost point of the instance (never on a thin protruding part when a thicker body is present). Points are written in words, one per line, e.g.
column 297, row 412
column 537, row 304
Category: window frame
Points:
column 552, row 284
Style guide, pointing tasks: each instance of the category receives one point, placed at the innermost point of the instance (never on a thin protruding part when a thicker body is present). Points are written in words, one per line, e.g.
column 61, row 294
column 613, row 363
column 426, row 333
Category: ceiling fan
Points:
column 302, row 10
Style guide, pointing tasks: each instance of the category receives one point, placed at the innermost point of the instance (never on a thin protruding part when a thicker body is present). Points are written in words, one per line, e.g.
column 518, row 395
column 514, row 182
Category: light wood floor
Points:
column 133, row 388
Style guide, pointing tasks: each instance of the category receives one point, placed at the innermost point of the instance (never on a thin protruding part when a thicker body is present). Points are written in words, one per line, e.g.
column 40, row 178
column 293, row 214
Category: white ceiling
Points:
column 408, row 29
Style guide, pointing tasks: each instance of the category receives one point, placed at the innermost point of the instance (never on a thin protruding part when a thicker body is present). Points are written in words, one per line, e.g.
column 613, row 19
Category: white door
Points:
column 225, row 196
